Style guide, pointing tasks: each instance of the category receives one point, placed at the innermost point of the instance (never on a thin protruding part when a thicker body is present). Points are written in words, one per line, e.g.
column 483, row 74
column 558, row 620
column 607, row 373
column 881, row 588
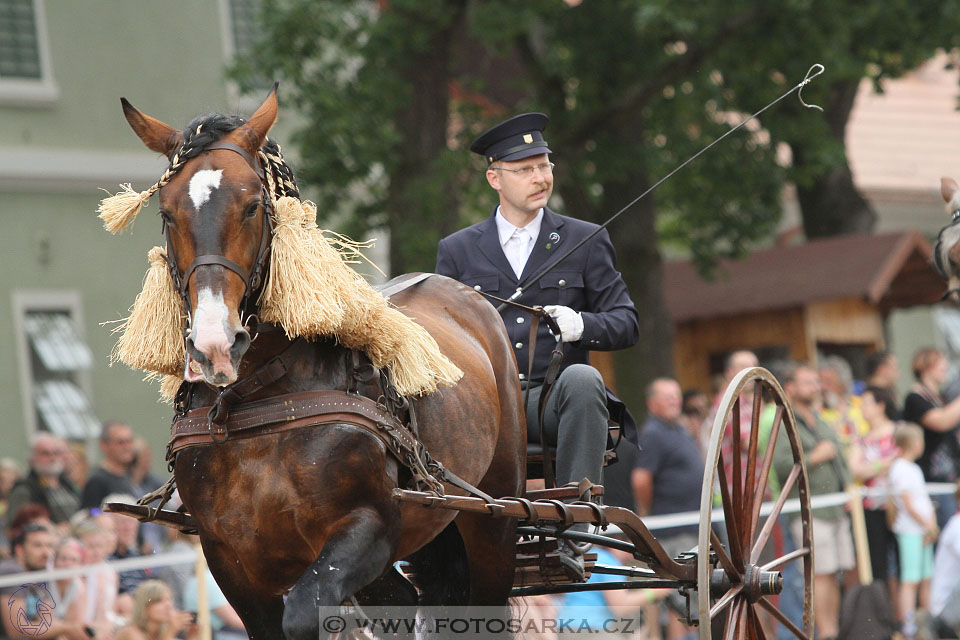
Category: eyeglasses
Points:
column 546, row 168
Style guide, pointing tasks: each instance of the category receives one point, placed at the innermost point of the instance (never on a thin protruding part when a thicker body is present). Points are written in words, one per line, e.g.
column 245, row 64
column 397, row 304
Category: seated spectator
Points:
column 70, row 594
column 30, row 513
column 945, row 587
column 126, row 529
column 47, row 482
column 608, row 612
column 224, row 621
column 116, row 446
column 102, row 582
column 925, row 406
column 33, row 550
column 9, row 474
column 154, row 616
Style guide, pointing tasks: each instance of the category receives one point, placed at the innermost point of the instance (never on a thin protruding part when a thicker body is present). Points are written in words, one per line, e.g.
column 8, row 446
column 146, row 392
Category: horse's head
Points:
column 216, row 212
column 946, row 254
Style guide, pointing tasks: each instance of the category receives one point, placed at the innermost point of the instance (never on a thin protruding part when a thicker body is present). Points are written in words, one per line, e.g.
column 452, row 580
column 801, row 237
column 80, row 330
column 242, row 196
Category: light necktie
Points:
column 516, row 250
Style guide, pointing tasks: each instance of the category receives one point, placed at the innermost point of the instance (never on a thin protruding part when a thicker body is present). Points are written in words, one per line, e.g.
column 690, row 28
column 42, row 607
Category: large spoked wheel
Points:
column 742, row 573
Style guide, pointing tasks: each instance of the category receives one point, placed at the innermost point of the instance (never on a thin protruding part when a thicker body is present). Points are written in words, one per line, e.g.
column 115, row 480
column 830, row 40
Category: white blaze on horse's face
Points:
column 212, row 336
column 202, row 185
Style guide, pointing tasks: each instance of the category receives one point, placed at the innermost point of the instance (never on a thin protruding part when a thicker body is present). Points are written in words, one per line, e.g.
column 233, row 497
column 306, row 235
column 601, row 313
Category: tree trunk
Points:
column 832, row 205
column 423, row 124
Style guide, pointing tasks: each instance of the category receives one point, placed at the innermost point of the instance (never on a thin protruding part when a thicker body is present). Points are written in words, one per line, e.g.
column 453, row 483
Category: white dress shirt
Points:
column 517, row 242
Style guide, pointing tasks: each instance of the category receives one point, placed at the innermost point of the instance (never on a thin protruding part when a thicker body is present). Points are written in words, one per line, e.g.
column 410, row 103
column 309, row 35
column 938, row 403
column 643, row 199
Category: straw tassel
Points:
column 120, row 210
column 304, row 287
column 312, row 292
column 152, row 338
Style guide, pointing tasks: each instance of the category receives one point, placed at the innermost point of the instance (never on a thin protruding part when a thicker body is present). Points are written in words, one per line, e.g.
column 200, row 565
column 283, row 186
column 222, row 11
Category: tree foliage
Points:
column 391, row 93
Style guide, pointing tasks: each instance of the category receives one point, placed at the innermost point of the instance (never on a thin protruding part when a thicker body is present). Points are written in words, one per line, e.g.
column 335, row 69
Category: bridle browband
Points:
column 252, row 280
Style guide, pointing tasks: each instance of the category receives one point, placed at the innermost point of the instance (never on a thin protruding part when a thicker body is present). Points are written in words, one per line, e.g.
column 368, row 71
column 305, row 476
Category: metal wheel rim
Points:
column 737, row 605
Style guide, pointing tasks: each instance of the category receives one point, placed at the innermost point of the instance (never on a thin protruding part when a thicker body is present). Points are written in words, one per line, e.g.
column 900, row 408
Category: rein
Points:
column 553, row 370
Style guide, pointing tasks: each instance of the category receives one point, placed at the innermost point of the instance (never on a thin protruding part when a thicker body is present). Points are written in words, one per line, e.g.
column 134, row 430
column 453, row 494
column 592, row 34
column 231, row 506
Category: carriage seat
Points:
column 535, row 453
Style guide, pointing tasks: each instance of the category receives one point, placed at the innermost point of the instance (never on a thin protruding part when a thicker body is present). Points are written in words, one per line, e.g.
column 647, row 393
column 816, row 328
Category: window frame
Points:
column 39, row 300
column 22, row 92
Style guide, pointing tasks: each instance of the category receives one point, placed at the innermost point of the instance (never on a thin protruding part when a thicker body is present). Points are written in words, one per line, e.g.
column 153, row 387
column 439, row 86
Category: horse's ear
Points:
column 158, row 136
column 948, row 188
column 260, row 122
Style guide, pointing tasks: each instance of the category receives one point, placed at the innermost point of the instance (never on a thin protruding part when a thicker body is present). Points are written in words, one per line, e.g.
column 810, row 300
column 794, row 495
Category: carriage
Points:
column 387, row 465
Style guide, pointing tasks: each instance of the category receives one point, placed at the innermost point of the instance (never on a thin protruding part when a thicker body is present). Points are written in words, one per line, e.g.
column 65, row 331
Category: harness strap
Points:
column 265, row 375
column 229, row 146
column 215, row 259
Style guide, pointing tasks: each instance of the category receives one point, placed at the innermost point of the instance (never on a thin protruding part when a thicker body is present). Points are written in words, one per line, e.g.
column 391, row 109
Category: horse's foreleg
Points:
column 261, row 613
column 355, row 554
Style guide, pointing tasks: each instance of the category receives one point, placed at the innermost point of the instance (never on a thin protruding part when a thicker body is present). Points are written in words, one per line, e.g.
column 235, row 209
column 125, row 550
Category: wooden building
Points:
column 827, row 296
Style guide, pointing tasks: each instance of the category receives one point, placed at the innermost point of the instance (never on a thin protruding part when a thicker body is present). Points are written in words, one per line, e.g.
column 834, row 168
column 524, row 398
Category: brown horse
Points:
column 308, row 513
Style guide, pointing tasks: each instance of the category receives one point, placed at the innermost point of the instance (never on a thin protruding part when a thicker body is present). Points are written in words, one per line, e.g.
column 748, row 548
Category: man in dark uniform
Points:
column 584, row 294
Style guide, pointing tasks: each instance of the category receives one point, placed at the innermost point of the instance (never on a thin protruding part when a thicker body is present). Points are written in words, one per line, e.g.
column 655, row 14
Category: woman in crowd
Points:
column 925, row 406
column 154, row 616
column 70, row 594
column 870, row 459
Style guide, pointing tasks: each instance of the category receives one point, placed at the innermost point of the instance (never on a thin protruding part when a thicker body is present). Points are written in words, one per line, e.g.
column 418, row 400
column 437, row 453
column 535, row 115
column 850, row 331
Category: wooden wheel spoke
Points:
column 784, row 559
column 767, row 465
column 733, row 620
column 774, row 514
column 733, row 530
column 737, row 471
column 783, row 619
column 725, row 601
column 759, row 633
column 725, row 560
column 747, row 525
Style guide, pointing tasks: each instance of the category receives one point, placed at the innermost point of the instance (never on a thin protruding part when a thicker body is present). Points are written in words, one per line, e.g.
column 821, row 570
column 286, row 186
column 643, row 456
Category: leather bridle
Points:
column 252, row 280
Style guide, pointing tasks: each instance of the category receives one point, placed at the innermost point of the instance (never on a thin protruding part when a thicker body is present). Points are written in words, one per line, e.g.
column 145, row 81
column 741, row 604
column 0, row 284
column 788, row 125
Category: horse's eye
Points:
column 165, row 216
column 251, row 209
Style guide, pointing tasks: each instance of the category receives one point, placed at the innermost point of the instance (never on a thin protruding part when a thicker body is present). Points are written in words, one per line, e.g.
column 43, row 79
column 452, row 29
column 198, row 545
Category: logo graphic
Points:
column 30, row 608
column 554, row 237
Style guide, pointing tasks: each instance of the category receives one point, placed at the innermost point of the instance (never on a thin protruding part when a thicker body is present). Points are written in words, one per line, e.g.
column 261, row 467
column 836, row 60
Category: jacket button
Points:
column 523, row 377
column 562, row 283
column 476, row 287
column 520, row 320
column 519, row 345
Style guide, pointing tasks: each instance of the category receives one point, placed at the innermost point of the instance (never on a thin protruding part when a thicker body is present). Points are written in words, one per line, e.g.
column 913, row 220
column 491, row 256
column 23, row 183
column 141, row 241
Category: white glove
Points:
column 569, row 321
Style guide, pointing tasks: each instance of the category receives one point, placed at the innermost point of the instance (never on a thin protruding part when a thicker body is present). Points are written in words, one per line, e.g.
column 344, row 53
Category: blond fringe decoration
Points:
column 169, row 385
column 152, row 338
column 312, row 292
column 119, row 211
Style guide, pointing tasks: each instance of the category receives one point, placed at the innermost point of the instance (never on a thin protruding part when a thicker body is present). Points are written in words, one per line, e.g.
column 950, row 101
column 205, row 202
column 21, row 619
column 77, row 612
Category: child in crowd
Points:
column 915, row 526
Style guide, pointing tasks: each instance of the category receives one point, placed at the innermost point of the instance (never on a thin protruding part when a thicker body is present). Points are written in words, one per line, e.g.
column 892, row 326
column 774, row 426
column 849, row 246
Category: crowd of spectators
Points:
column 52, row 517
column 851, row 431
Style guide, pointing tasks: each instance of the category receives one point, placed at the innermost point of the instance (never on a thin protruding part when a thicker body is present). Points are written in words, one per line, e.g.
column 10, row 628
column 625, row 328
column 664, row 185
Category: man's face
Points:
column 48, row 456
column 666, row 400
column 805, row 387
column 118, row 447
column 739, row 361
column 36, row 550
column 522, row 193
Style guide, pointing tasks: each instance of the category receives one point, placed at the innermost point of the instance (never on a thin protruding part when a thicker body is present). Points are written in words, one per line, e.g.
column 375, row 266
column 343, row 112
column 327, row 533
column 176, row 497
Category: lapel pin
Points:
column 554, row 237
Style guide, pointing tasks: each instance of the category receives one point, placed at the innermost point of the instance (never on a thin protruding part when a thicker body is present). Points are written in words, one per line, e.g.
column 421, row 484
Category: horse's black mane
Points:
column 214, row 126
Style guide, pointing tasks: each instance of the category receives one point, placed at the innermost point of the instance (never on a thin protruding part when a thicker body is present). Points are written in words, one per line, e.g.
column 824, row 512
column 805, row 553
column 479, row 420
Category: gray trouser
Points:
column 575, row 423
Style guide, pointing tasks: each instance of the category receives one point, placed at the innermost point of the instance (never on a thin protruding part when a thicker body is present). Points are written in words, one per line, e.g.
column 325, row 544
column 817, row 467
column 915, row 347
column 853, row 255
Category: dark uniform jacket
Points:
column 587, row 281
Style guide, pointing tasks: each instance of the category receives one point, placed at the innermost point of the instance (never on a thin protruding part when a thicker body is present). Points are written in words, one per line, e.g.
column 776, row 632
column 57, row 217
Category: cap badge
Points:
column 528, row 138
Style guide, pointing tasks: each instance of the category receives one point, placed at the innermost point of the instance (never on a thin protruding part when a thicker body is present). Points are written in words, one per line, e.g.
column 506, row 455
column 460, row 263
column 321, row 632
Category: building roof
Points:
column 889, row 271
